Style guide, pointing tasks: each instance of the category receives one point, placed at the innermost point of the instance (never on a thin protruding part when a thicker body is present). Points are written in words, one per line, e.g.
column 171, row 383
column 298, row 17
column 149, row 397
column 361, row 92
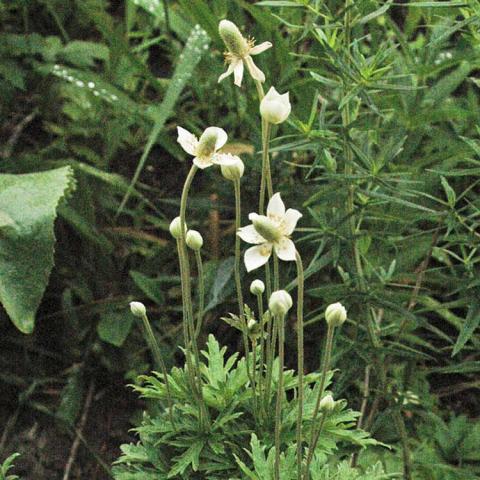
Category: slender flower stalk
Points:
column 300, row 360
column 272, row 333
column 187, row 299
column 201, row 293
column 280, row 319
column 138, row 309
column 238, row 281
column 279, row 304
column 257, row 288
column 186, row 332
column 311, row 449
column 326, row 365
column 238, row 223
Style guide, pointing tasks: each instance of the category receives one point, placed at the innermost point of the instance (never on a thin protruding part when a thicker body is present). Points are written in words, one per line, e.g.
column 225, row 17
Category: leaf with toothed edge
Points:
column 27, row 244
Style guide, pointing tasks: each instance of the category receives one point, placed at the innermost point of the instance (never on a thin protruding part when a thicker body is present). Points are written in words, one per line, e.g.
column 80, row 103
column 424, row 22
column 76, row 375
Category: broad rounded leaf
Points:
column 27, row 244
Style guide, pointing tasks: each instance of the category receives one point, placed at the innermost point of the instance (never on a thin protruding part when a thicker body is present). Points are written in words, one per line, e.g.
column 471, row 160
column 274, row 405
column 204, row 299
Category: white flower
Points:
column 205, row 149
column 270, row 232
column 335, row 314
column 138, row 309
column 239, row 53
column 275, row 108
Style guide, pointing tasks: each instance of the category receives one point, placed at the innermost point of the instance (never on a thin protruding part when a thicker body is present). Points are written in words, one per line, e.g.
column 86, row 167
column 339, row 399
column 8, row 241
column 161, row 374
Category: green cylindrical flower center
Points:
column 207, row 142
column 267, row 228
column 233, row 38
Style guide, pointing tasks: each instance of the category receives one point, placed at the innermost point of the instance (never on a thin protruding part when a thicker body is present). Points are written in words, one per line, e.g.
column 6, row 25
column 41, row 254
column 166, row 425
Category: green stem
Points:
column 254, row 376
column 278, row 408
column 311, row 450
column 266, row 180
column 159, row 363
column 201, row 293
column 276, row 273
column 188, row 293
column 300, row 353
column 262, row 344
column 186, row 333
column 407, row 460
column 238, row 220
column 326, row 365
column 238, row 281
column 271, row 342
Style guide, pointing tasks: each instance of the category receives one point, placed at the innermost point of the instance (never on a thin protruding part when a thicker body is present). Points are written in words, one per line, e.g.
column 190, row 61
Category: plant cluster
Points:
column 380, row 152
column 209, row 410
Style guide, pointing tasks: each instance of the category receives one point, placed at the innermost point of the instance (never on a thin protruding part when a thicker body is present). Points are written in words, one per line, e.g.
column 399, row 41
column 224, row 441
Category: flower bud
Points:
column 327, row 404
column 335, row 314
column 138, row 309
column 207, row 142
column 235, row 171
column 194, row 240
column 176, row 228
column 233, row 38
column 257, row 287
column 266, row 227
column 275, row 108
column 280, row 303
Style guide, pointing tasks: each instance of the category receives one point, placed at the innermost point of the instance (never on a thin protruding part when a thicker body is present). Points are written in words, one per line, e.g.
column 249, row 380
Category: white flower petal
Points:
column 250, row 235
column 255, row 72
column 203, row 162
column 260, row 48
column 257, row 256
column 252, row 216
column 224, row 159
column 285, row 249
column 276, row 207
column 222, row 137
column 290, row 220
column 238, row 73
column 187, row 140
column 229, row 71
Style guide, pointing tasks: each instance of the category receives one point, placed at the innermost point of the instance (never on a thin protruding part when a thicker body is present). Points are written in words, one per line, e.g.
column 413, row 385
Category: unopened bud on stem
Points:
column 138, row 309
column 275, row 108
column 194, row 240
column 257, row 287
column 235, row 171
column 280, row 303
column 327, row 404
column 176, row 228
column 335, row 314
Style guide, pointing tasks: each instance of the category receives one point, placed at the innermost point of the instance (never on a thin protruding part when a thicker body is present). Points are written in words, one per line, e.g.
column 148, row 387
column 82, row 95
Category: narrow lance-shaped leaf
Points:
column 197, row 45
column 471, row 323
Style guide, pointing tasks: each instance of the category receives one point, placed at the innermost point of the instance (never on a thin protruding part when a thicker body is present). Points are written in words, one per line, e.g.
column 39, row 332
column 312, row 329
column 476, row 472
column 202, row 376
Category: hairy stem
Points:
column 278, row 409
column 300, row 354
column 262, row 345
column 310, row 449
column 326, row 365
column 192, row 347
column 159, row 363
column 201, row 293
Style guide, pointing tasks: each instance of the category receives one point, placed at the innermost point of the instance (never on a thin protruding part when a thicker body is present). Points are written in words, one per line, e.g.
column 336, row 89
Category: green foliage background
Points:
column 98, row 87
